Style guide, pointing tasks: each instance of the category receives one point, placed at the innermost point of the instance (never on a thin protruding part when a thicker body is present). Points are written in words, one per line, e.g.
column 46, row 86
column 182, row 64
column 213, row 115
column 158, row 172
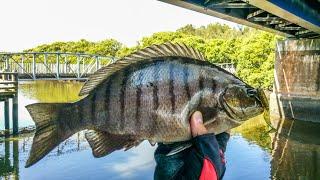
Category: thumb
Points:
column 196, row 124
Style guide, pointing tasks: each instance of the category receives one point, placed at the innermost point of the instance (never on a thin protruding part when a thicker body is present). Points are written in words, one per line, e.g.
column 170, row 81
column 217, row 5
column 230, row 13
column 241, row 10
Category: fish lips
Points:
column 241, row 114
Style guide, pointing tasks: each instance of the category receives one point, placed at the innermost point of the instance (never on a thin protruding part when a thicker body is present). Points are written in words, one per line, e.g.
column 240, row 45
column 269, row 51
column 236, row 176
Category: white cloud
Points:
column 141, row 158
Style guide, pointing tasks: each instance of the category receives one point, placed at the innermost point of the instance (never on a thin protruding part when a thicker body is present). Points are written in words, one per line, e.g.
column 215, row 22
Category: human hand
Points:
column 188, row 163
column 196, row 124
column 197, row 128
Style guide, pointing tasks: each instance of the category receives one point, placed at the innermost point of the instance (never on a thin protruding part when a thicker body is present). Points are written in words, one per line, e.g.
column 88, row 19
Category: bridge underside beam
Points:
column 299, row 21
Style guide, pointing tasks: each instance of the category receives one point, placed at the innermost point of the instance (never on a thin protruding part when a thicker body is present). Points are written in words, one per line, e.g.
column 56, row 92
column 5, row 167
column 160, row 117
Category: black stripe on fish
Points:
column 185, row 81
column 138, row 100
column 80, row 112
column 155, row 90
column 214, row 85
column 171, row 87
column 107, row 100
column 122, row 96
column 93, row 108
column 201, row 85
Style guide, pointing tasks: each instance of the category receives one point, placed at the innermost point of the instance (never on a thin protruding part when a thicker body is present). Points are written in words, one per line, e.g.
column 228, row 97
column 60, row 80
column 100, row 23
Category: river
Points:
column 292, row 151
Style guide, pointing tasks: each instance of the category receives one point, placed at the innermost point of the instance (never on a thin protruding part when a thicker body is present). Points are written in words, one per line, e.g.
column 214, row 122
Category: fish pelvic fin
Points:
column 54, row 122
column 103, row 143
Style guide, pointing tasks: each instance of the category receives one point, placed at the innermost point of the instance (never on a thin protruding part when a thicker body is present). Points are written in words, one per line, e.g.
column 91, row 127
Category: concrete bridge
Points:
column 56, row 65
column 296, row 91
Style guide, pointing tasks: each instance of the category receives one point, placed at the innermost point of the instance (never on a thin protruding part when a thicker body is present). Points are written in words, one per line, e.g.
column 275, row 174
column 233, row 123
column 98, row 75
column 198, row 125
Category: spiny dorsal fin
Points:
column 163, row 50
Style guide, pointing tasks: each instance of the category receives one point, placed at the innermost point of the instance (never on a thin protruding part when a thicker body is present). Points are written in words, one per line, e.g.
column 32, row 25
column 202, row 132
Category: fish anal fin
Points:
column 103, row 143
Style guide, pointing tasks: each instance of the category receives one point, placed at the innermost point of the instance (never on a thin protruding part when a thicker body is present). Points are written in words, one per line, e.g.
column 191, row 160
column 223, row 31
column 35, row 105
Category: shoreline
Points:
column 23, row 130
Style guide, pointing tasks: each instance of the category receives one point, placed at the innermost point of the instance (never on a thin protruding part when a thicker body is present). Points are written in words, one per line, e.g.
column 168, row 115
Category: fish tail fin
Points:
column 55, row 122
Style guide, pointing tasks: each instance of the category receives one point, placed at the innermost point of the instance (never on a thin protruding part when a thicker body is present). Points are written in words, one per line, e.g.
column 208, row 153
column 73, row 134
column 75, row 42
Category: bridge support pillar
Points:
column 296, row 92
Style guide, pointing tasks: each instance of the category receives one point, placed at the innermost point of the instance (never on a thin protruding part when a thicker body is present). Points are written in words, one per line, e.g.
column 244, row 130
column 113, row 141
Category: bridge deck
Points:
column 291, row 18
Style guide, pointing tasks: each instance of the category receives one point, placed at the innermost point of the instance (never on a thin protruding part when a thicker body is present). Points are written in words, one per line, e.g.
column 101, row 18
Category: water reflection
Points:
column 296, row 150
column 51, row 91
column 292, row 152
column 73, row 159
column 9, row 162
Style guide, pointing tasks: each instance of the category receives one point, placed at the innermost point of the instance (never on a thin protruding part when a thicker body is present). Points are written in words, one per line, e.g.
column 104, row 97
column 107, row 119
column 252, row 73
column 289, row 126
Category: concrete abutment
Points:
column 296, row 92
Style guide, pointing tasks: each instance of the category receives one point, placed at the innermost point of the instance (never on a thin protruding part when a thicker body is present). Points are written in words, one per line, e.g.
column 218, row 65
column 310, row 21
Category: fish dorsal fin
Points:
column 162, row 50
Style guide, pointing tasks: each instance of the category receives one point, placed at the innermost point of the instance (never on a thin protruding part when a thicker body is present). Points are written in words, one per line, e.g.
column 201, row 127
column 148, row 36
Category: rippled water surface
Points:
column 292, row 151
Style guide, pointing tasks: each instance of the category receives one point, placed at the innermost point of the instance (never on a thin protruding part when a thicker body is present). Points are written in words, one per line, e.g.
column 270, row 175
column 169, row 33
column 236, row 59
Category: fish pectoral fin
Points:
column 103, row 143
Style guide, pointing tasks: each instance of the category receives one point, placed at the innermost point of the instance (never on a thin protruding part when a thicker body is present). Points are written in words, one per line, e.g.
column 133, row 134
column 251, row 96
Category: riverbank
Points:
column 24, row 130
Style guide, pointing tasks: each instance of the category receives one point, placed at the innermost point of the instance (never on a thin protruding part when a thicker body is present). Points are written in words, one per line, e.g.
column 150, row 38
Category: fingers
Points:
column 196, row 124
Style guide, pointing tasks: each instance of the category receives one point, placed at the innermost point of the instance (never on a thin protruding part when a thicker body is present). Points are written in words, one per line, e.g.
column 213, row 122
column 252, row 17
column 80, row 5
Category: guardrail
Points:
column 50, row 65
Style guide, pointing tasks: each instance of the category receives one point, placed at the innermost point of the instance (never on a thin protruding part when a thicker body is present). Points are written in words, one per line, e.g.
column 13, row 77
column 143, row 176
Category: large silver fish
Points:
column 148, row 95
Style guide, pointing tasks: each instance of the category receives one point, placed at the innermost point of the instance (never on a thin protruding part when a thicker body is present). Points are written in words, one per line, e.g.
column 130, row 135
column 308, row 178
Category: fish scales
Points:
column 149, row 95
column 115, row 105
column 145, row 109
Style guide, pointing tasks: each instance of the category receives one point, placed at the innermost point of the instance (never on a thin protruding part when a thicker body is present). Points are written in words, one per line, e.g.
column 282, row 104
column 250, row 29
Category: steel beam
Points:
column 288, row 12
column 34, row 66
column 289, row 28
column 265, row 19
column 210, row 2
column 212, row 12
column 58, row 66
column 256, row 13
column 232, row 6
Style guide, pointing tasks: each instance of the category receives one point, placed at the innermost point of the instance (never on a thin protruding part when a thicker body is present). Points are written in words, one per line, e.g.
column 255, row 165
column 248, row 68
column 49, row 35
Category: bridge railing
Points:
column 34, row 65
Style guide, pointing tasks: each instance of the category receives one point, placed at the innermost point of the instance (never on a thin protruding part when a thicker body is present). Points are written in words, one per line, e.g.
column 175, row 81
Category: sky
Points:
column 28, row 23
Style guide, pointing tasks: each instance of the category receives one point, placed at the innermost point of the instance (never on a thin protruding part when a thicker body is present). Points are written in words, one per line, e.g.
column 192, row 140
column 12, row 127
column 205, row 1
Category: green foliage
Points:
column 108, row 47
column 255, row 130
column 221, row 50
column 255, row 59
column 252, row 51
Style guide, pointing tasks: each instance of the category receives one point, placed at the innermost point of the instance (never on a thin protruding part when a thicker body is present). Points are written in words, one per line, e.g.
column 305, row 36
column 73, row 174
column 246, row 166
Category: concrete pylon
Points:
column 296, row 92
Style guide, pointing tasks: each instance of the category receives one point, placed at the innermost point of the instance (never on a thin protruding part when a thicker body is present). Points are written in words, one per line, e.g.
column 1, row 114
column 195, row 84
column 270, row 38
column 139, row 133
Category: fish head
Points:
column 241, row 102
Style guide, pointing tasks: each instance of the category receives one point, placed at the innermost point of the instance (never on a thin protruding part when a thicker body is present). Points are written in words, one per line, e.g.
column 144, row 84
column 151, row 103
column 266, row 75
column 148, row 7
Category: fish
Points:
column 147, row 95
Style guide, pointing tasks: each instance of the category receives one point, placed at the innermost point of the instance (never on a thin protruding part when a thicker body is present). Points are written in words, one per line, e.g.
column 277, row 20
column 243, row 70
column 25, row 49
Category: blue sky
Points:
column 27, row 23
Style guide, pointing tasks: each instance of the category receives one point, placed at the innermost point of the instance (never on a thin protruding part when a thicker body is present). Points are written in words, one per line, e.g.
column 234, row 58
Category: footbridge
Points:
column 60, row 66
column 52, row 65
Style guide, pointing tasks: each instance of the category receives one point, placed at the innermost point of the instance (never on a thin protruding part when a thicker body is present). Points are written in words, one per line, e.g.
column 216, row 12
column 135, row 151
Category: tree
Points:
column 252, row 51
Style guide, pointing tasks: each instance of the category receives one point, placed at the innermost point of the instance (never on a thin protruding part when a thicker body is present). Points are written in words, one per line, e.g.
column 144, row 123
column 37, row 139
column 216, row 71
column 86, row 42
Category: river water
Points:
column 292, row 151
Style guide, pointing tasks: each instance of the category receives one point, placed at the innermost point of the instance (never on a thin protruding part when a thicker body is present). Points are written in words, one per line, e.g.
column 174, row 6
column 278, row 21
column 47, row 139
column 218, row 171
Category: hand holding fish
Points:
column 203, row 160
column 196, row 124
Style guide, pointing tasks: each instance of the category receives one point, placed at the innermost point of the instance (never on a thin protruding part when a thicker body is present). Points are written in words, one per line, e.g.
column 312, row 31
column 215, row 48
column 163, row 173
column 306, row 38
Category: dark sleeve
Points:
column 204, row 160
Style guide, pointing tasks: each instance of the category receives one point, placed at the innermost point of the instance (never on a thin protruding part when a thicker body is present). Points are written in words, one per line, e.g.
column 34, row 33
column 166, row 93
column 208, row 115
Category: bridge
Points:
column 57, row 65
column 290, row 18
column 296, row 92
column 52, row 65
